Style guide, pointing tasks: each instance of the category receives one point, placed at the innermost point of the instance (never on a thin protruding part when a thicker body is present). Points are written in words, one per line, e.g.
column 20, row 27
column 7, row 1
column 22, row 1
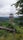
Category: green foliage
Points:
column 8, row 25
column 20, row 4
column 1, row 32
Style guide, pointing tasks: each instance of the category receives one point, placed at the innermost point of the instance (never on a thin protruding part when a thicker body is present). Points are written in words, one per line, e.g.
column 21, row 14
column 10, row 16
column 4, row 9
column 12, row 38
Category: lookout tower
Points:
column 11, row 18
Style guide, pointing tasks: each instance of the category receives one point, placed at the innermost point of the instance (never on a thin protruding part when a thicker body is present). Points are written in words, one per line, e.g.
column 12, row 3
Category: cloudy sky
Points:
column 6, row 8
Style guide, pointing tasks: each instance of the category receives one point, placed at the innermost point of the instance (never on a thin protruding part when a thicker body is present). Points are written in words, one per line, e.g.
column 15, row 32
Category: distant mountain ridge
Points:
column 3, row 18
column 6, row 18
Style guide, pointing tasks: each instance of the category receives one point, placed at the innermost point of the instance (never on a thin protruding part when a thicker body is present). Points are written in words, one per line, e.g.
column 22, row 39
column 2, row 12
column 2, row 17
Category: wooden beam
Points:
column 8, row 29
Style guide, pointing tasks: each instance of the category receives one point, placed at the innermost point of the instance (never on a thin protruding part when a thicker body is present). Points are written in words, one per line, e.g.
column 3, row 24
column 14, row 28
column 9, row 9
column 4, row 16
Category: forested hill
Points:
column 3, row 18
column 16, row 18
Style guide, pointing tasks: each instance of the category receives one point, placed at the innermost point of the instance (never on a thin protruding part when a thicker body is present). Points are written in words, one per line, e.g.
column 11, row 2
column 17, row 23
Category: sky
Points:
column 6, row 8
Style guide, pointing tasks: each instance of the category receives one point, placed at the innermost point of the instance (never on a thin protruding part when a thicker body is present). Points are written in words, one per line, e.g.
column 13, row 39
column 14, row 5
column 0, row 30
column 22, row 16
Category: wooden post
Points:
column 14, row 34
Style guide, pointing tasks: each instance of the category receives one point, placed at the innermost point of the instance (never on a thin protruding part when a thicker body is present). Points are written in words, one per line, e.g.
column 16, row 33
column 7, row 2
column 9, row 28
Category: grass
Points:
column 10, row 36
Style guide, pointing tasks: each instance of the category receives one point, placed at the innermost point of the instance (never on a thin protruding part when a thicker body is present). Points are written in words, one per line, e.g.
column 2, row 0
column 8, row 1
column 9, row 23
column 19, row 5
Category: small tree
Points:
column 19, row 4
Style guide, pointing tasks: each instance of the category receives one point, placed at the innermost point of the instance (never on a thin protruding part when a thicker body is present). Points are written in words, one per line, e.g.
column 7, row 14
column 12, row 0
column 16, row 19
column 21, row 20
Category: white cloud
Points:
column 5, row 7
